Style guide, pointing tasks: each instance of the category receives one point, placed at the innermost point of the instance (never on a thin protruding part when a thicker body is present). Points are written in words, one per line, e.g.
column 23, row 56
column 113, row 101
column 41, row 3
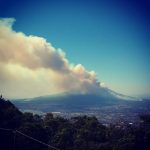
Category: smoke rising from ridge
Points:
column 31, row 66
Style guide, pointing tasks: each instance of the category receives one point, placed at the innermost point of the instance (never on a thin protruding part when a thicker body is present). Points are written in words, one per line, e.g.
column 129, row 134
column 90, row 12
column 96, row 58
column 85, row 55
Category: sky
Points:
column 108, row 40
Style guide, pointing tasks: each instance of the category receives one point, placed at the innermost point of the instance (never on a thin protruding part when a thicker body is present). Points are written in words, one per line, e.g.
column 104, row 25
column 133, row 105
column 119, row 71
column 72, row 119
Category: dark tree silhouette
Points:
column 78, row 133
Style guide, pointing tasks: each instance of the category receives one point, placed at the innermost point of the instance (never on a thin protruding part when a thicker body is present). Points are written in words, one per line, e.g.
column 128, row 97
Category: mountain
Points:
column 108, row 106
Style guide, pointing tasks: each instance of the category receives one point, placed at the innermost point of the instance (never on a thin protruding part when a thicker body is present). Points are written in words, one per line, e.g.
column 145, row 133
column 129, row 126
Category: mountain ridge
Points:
column 105, row 108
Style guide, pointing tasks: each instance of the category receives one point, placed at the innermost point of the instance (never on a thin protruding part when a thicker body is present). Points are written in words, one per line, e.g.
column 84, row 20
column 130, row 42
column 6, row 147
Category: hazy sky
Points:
column 111, row 37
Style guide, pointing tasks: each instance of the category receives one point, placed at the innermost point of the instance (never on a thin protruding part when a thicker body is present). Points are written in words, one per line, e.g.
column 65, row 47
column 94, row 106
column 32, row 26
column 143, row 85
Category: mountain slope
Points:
column 74, row 103
column 107, row 109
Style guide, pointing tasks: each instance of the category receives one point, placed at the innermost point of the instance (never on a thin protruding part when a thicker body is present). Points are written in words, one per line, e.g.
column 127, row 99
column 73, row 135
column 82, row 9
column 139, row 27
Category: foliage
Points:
column 78, row 133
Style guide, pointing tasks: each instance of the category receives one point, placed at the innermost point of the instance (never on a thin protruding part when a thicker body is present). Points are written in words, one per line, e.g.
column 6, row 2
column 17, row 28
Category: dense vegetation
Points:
column 78, row 133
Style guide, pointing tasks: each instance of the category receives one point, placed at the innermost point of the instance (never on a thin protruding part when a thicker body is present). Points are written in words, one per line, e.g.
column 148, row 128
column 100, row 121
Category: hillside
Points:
column 107, row 109
column 78, row 133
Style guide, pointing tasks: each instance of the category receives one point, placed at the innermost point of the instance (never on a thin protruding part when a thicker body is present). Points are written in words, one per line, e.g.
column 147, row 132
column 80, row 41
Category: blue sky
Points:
column 111, row 37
